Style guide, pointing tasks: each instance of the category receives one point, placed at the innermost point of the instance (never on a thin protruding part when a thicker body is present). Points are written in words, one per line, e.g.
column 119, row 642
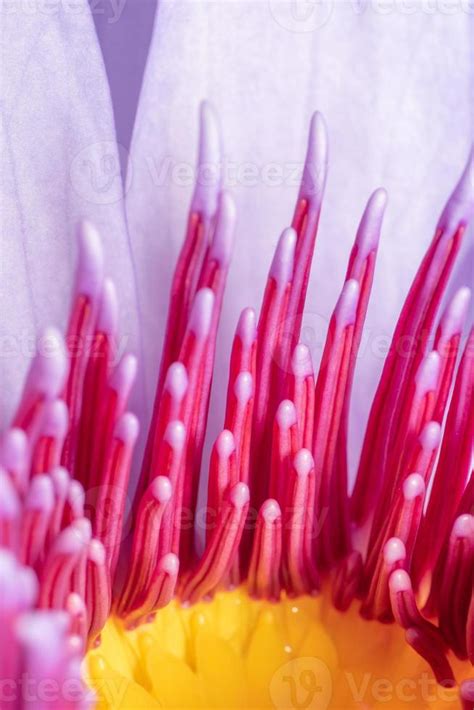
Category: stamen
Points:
column 159, row 591
column 14, row 457
column 95, row 381
column 238, row 420
column 298, row 531
column 45, row 379
column 223, row 473
column 10, row 511
column 192, row 355
column 89, row 278
column 284, row 447
column 60, row 563
column 113, row 491
column 305, row 222
column 422, row 643
column 330, row 392
column 145, row 549
column 447, row 341
column 220, row 551
column 39, row 505
column 52, row 433
column 414, row 327
column 200, row 228
column 452, row 470
column 301, row 386
column 405, row 609
column 376, row 601
column 264, row 571
column 455, row 585
column 98, row 592
column 272, row 318
column 244, row 347
column 61, row 482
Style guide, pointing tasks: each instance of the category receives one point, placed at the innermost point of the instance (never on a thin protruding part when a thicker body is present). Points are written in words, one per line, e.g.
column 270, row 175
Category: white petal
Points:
column 394, row 90
column 59, row 164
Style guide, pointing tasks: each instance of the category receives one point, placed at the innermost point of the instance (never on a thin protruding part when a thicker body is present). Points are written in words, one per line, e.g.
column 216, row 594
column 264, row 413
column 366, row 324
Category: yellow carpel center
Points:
column 236, row 652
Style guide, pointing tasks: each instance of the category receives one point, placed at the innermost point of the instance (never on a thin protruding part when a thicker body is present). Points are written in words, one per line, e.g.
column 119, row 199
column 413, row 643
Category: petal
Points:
column 398, row 115
column 59, row 164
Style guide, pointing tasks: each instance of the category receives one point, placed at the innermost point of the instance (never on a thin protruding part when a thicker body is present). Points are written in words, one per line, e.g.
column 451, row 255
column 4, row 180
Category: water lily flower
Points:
column 126, row 585
column 259, row 578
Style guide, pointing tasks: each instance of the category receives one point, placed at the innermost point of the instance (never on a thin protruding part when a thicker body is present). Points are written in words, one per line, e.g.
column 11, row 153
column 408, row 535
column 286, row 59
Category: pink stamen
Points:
column 52, row 433
column 301, row 392
column 263, row 577
column 413, row 328
column 14, row 457
column 216, row 562
column 144, row 557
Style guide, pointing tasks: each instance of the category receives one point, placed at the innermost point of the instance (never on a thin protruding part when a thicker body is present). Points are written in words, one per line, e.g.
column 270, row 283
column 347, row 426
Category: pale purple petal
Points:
column 59, row 164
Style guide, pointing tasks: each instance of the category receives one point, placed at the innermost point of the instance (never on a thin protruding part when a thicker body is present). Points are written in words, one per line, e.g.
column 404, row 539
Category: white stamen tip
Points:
column 169, row 564
column 301, row 361
column 209, row 168
column 124, row 375
column 13, row 449
column 243, row 387
column 50, row 366
column 413, row 486
column 55, row 419
column 303, row 462
column 200, row 318
column 460, row 206
column 315, row 169
column 96, row 553
column 247, row 327
column 175, row 435
column 61, row 481
column 9, row 500
column 90, row 268
column 176, row 382
column 282, row 265
column 161, row 489
column 394, row 551
column 464, row 527
column 346, row 307
column 368, row 234
column 427, row 376
column 454, row 317
column 127, row 428
column 400, row 581
column 40, row 495
column 107, row 317
column 286, row 414
column 225, row 444
column 239, row 495
column 223, row 240
column 430, row 436
column 271, row 511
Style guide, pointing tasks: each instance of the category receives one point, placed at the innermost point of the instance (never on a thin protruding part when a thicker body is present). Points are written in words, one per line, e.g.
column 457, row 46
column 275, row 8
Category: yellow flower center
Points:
column 235, row 652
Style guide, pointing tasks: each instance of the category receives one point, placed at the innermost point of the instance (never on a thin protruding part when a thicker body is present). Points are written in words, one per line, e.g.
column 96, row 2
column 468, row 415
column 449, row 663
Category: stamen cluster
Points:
column 279, row 516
